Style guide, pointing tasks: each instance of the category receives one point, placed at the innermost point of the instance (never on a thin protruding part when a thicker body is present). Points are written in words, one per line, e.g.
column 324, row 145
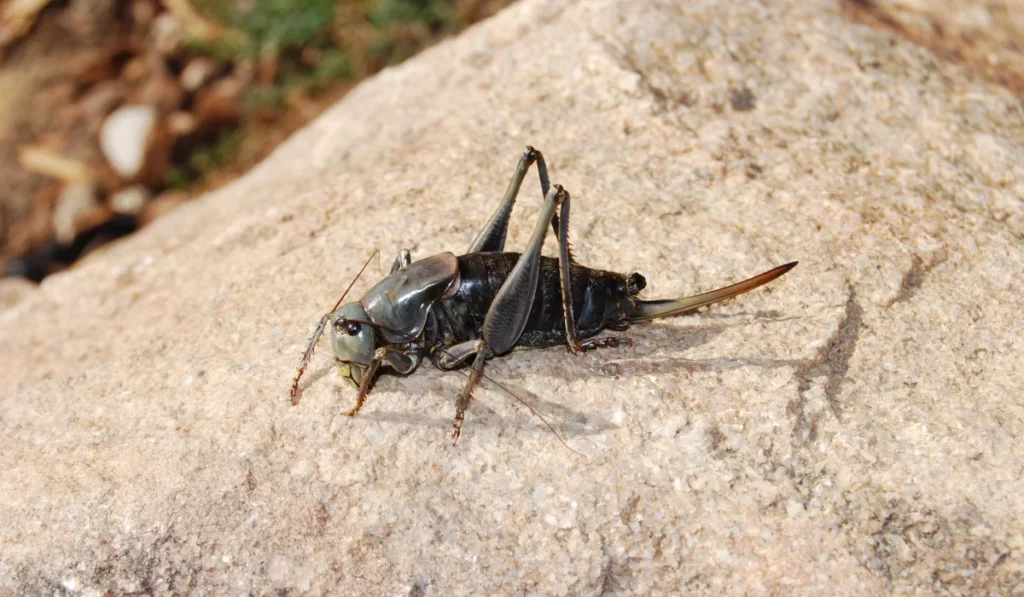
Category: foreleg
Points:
column 367, row 381
column 401, row 360
column 402, row 261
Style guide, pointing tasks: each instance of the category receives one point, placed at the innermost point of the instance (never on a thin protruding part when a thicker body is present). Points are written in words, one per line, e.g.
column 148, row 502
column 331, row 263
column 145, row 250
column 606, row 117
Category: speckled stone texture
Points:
column 855, row 430
column 985, row 35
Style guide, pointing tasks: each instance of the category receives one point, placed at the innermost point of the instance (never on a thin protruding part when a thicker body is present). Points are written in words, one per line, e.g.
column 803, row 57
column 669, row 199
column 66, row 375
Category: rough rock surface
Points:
column 858, row 429
column 984, row 36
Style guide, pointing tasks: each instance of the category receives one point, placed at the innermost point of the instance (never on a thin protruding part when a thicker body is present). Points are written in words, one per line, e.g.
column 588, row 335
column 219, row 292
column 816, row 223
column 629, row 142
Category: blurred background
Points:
column 114, row 112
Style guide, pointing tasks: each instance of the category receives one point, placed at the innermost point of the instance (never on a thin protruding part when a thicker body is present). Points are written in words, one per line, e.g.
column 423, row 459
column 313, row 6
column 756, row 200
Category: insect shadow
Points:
column 655, row 350
column 531, row 410
column 569, row 421
column 575, row 422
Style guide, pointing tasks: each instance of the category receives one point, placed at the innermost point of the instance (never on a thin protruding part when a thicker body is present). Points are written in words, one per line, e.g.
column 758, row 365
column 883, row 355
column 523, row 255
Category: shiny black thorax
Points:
column 600, row 300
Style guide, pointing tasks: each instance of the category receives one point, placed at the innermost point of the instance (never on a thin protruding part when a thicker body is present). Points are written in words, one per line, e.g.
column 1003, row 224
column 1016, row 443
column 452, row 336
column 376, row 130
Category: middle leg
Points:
column 467, row 349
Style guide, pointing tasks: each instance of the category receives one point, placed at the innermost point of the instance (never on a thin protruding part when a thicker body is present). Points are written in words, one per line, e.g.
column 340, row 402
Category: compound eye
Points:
column 348, row 327
column 352, row 328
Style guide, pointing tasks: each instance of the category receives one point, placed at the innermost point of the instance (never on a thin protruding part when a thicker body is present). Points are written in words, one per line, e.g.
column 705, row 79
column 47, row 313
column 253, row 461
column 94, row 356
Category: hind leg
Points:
column 506, row 317
column 492, row 237
column 605, row 342
column 565, row 261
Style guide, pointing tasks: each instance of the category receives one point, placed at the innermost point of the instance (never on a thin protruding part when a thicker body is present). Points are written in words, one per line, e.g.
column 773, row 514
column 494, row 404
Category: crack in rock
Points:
column 914, row 277
column 831, row 362
column 665, row 100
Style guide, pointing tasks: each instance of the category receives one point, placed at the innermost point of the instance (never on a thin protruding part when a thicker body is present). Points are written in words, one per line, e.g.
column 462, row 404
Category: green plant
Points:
column 275, row 26
column 435, row 14
column 268, row 27
column 218, row 153
column 203, row 160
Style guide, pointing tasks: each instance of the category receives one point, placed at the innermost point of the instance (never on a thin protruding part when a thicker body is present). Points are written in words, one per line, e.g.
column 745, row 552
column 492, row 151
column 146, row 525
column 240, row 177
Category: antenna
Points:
column 320, row 330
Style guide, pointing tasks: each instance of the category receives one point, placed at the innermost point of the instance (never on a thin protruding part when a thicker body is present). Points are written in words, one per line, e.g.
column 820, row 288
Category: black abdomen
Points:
column 600, row 299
